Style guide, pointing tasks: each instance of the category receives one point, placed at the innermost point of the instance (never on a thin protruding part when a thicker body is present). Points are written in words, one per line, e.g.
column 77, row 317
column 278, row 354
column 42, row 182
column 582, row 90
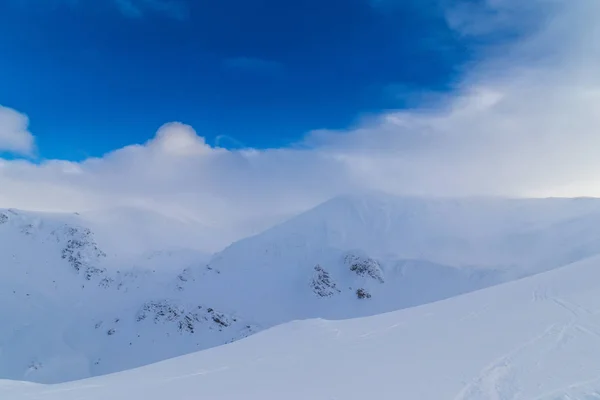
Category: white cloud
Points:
column 179, row 140
column 525, row 120
column 178, row 173
column 14, row 134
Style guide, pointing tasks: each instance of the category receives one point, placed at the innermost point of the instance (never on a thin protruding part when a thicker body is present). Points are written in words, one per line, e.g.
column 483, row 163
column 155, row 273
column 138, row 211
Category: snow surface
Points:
column 536, row 338
column 70, row 309
column 93, row 294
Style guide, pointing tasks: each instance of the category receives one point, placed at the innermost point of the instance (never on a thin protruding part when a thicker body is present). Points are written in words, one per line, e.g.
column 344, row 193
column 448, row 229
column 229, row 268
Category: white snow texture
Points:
column 367, row 296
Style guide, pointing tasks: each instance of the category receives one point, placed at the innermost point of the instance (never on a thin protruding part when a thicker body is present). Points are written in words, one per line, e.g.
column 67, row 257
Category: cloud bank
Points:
column 523, row 121
column 14, row 134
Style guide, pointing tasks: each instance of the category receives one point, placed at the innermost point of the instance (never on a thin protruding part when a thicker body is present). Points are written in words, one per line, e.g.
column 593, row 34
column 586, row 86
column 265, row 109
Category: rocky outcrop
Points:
column 322, row 284
column 81, row 251
column 186, row 320
column 364, row 267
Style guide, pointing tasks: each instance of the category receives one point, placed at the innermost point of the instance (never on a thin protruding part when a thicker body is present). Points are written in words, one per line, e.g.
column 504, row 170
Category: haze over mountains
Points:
column 86, row 295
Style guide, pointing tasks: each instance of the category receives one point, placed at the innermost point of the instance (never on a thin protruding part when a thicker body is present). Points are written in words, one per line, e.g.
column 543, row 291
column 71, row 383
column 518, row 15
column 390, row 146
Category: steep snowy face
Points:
column 486, row 232
column 472, row 231
column 70, row 309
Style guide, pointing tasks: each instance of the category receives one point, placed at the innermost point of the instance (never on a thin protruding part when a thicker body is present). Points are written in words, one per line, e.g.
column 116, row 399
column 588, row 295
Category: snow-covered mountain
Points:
column 76, row 301
column 397, row 252
column 533, row 339
column 71, row 309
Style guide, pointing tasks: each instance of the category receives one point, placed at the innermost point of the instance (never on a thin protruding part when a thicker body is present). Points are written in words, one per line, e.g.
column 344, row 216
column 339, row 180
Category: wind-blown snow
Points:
column 537, row 338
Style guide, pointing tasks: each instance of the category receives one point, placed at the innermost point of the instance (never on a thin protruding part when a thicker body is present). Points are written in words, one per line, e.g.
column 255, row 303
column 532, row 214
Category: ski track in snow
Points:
column 199, row 373
column 496, row 381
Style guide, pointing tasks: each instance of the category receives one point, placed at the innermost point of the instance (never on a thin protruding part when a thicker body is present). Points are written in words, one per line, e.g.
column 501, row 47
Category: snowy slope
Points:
column 393, row 253
column 469, row 231
column 533, row 339
column 71, row 309
column 76, row 300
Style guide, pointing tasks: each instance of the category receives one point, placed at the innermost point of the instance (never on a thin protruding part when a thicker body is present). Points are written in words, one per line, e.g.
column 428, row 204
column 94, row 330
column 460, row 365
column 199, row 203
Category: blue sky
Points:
column 463, row 98
column 94, row 76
